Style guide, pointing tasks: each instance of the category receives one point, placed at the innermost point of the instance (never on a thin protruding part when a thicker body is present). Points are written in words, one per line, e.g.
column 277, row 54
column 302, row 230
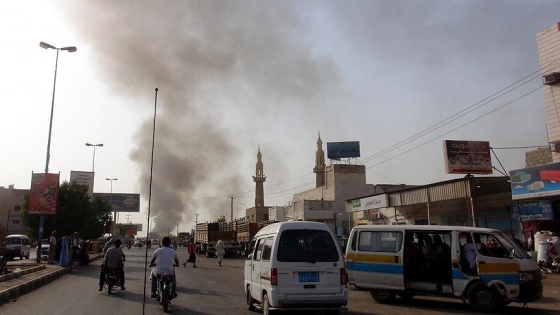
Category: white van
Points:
column 17, row 245
column 481, row 266
column 295, row 266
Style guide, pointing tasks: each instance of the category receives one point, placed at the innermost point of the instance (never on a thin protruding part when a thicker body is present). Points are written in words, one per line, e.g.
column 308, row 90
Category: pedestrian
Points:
column 65, row 250
column 52, row 247
column 192, row 255
column 83, row 253
column 74, row 246
column 220, row 251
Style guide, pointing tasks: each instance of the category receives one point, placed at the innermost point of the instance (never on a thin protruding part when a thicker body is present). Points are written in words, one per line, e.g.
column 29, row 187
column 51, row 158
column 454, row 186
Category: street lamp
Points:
column 94, row 145
column 111, row 203
column 42, row 216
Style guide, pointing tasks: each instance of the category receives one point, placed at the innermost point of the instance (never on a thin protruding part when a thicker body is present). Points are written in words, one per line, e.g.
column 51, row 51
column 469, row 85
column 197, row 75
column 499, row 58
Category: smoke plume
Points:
column 229, row 74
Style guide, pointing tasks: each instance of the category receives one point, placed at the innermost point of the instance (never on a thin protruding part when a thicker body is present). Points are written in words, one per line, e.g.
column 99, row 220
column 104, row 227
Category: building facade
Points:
column 548, row 45
column 11, row 205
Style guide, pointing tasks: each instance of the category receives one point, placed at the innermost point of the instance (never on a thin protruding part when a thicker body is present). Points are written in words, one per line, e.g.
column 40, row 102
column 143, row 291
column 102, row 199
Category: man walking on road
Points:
column 192, row 255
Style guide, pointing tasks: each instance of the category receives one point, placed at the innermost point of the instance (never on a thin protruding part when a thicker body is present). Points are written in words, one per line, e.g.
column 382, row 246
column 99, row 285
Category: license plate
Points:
column 308, row 276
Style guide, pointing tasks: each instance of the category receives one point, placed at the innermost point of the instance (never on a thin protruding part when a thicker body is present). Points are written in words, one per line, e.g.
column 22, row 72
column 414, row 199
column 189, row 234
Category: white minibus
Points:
column 481, row 266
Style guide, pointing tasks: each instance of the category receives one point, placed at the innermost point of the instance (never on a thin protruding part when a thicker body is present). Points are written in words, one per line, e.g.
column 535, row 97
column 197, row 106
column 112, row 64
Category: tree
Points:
column 75, row 212
column 222, row 219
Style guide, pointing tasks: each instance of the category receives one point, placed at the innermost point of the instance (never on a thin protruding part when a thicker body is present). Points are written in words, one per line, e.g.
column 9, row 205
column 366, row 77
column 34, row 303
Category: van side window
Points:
column 389, row 242
column 267, row 248
column 491, row 246
column 258, row 252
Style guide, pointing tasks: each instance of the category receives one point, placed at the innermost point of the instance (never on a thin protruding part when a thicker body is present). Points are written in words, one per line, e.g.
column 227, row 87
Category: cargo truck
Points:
column 208, row 234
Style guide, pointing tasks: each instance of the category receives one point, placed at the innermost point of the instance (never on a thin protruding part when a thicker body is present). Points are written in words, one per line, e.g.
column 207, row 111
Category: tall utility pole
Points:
column 195, row 223
column 231, row 197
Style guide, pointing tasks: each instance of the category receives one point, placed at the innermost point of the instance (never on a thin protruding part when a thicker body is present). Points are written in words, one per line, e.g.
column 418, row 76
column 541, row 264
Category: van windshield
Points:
column 307, row 246
column 13, row 240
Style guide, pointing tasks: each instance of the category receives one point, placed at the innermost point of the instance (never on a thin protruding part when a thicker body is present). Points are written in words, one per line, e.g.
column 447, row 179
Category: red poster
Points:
column 44, row 193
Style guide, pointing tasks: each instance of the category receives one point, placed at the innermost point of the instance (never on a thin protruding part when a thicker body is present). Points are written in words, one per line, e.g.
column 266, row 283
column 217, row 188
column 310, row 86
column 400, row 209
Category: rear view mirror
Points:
column 250, row 256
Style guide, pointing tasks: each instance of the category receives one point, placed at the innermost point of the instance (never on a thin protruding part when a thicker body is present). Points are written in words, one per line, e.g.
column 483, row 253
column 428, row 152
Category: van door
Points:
column 308, row 262
column 494, row 262
column 257, row 270
column 376, row 259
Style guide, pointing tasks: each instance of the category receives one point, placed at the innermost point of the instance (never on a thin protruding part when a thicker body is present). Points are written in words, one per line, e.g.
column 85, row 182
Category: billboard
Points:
column 44, row 193
column 534, row 182
column 338, row 150
column 121, row 202
column 467, row 157
column 83, row 179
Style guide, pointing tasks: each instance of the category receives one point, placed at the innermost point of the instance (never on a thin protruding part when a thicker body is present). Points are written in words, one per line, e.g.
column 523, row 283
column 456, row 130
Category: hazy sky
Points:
column 234, row 76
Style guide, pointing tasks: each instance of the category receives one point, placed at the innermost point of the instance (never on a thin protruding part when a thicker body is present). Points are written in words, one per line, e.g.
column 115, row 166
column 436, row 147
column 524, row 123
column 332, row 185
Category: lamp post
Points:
column 94, row 145
column 111, row 203
column 42, row 216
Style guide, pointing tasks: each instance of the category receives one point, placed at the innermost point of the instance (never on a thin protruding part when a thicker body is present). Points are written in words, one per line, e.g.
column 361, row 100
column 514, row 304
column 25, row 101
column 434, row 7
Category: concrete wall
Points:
column 538, row 157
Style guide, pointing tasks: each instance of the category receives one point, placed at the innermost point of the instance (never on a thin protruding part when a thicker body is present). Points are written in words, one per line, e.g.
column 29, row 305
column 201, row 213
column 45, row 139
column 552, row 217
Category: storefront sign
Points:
column 534, row 211
column 373, row 202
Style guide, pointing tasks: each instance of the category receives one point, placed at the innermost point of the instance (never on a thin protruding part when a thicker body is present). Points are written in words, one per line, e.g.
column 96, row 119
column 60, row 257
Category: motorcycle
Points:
column 112, row 279
column 128, row 245
column 552, row 262
column 164, row 289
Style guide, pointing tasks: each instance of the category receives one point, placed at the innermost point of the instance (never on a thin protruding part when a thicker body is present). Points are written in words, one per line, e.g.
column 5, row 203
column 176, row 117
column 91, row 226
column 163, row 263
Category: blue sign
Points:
column 535, row 182
column 338, row 150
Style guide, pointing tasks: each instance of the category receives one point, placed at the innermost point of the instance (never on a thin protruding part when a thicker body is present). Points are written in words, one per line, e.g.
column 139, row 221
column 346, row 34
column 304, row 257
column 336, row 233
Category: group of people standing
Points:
column 67, row 249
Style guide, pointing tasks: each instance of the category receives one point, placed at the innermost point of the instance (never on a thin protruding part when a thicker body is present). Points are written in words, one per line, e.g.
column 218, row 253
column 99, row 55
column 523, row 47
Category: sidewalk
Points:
column 28, row 276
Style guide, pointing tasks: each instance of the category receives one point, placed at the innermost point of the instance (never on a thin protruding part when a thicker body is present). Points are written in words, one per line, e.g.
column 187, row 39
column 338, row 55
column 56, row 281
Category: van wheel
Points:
column 266, row 305
column 250, row 301
column 383, row 296
column 484, row 299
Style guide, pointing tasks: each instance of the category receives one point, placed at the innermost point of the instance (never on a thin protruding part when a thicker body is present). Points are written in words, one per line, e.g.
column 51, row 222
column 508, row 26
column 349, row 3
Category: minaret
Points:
column 319, row 168
column 259, row 180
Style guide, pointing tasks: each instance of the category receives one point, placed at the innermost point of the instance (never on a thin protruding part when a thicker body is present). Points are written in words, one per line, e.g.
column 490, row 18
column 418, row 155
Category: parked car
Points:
column 17, row 245
column 44, row 247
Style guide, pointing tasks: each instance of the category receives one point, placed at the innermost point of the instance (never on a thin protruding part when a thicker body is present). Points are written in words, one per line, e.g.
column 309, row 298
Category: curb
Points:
column 13, row 275
column 32, row 284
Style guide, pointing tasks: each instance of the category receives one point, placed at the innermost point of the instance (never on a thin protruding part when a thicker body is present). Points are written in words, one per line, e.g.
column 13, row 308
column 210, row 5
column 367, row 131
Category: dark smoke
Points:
column 229, row 75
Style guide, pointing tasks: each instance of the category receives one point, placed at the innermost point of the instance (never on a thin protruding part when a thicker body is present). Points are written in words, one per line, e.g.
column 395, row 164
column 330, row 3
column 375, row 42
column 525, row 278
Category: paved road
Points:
column 211, row 289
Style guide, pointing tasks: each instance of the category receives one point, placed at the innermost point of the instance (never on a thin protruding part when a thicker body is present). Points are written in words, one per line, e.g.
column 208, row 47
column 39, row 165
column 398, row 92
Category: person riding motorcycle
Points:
column 164, row 259
column 114, row 259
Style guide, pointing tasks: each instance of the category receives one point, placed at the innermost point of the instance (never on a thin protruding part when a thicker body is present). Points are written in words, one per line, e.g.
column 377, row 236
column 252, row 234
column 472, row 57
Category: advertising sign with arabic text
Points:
column 467, row 157
column 44, row 193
